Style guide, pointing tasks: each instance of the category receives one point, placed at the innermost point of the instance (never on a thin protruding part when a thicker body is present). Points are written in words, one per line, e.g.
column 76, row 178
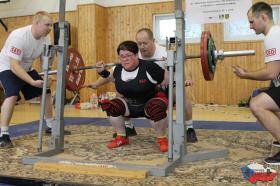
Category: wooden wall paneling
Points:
column 92, row 41
column 245, row 91
column 101, row 45
column 87, row 42
column 234, row 84
column 230, row 83
column 195, row 70
column 101, row 26
column 272, row 2
column 112, row 38
column 189, row 70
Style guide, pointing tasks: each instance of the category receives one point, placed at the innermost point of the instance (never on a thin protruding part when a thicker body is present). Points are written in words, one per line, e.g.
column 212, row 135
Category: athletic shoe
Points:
column 115, row 135
column 274, row 160
column 191, row 135
column 276, row 144
column 5, row 142
column 163, row 144
column 129, row 132
column 48, row 131
column 117, row 142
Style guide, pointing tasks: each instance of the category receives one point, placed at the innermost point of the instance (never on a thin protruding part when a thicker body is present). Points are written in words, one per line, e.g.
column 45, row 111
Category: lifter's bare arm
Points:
column 100, row 81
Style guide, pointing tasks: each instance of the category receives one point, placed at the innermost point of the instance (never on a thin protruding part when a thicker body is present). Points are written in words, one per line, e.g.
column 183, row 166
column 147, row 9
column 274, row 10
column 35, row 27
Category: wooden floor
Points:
column 28, row 112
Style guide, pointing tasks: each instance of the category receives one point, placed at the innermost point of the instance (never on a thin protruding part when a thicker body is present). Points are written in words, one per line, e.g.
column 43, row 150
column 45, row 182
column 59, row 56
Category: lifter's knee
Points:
column 114, row 107
column 255, row 107
column 155, row 109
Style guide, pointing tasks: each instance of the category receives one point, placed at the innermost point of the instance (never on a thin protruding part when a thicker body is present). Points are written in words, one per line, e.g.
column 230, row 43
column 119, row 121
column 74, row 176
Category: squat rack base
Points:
column 159, row 170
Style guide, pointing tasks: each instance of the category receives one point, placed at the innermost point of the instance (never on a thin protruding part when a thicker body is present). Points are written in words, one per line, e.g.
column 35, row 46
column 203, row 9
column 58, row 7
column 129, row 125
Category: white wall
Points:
column 29, row 7
column 111, row 3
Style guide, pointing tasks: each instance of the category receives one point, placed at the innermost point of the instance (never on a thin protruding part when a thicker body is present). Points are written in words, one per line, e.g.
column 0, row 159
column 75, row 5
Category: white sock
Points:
column 49, row 122
column 189, row 124
column 128, row 124
column 4, row 130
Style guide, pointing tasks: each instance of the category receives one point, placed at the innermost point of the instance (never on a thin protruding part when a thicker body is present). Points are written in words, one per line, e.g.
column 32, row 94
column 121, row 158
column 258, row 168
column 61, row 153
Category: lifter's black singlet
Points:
column 140, row 88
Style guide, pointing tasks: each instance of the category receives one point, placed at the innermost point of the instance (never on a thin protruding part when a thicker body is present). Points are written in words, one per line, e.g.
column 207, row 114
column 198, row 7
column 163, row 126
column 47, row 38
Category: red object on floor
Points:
column 77, row 106
column 163, row 144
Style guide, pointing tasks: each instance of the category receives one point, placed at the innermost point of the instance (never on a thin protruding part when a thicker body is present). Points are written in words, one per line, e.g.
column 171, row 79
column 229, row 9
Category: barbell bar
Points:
column 75, row 70
column 219, row 54
column 94, row 67
column 53, row 72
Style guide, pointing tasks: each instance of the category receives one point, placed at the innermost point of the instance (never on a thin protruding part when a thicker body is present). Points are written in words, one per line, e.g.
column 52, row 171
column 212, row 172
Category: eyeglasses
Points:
column 126, row 56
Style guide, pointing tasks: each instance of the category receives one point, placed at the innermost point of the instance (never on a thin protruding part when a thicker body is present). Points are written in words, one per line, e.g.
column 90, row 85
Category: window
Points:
column 276, row 14
column 165, row 26
column 240, row 30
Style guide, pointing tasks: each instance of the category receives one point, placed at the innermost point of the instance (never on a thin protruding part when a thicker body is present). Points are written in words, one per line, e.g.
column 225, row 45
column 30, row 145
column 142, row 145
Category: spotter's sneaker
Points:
column 276, row 144
column 191, row 135
column 48, row 131
column 129, row 132
column 5, row 142
column 274, row 160
column 117, row 142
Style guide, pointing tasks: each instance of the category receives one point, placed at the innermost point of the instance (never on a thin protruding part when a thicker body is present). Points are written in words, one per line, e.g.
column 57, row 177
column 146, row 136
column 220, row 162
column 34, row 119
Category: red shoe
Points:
column 117, row 142
column 163, row 144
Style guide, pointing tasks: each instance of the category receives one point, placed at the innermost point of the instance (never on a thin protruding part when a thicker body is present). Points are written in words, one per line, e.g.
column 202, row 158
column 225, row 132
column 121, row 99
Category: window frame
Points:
column 156, row 28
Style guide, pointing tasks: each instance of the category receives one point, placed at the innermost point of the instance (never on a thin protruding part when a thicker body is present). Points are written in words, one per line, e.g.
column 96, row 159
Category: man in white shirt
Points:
column 151, row 50
column 266, row 105
column 20, row 50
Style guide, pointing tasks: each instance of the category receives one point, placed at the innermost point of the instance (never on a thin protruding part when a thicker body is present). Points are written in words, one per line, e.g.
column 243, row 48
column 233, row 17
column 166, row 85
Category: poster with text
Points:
column 216, row 11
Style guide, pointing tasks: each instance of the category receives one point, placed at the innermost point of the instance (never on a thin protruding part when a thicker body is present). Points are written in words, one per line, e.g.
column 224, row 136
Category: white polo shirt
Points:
column 272, row 48
column 160, row 52
column 23, row 47
column 272, row 44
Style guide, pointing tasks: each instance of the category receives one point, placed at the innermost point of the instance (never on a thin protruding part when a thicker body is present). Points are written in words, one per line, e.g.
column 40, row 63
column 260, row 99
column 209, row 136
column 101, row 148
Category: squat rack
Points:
column 177, row 152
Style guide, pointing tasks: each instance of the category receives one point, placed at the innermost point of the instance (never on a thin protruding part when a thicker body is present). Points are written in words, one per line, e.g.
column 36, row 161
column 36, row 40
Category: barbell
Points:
column 75, row 70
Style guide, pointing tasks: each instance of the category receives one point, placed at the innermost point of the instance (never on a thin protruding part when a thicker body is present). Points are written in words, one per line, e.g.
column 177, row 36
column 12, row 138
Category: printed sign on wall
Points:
column 216, row 11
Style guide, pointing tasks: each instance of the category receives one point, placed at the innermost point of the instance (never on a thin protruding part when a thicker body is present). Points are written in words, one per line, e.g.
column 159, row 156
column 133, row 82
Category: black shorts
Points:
column 274, row 93
column 12, row 85
column 136, row 111
column 136, row 108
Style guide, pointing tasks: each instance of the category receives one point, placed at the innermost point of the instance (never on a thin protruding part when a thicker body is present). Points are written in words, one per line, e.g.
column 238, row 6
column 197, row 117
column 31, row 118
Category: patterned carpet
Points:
column 89, row 142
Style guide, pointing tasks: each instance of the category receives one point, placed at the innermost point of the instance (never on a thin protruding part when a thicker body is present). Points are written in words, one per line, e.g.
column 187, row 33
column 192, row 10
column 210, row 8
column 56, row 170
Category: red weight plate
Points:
column 75, row 79
column 208, row 75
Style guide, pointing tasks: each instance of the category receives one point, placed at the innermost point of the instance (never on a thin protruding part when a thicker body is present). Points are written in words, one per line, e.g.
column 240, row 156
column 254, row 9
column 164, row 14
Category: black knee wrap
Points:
column 114, row 107
column 156, row 108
